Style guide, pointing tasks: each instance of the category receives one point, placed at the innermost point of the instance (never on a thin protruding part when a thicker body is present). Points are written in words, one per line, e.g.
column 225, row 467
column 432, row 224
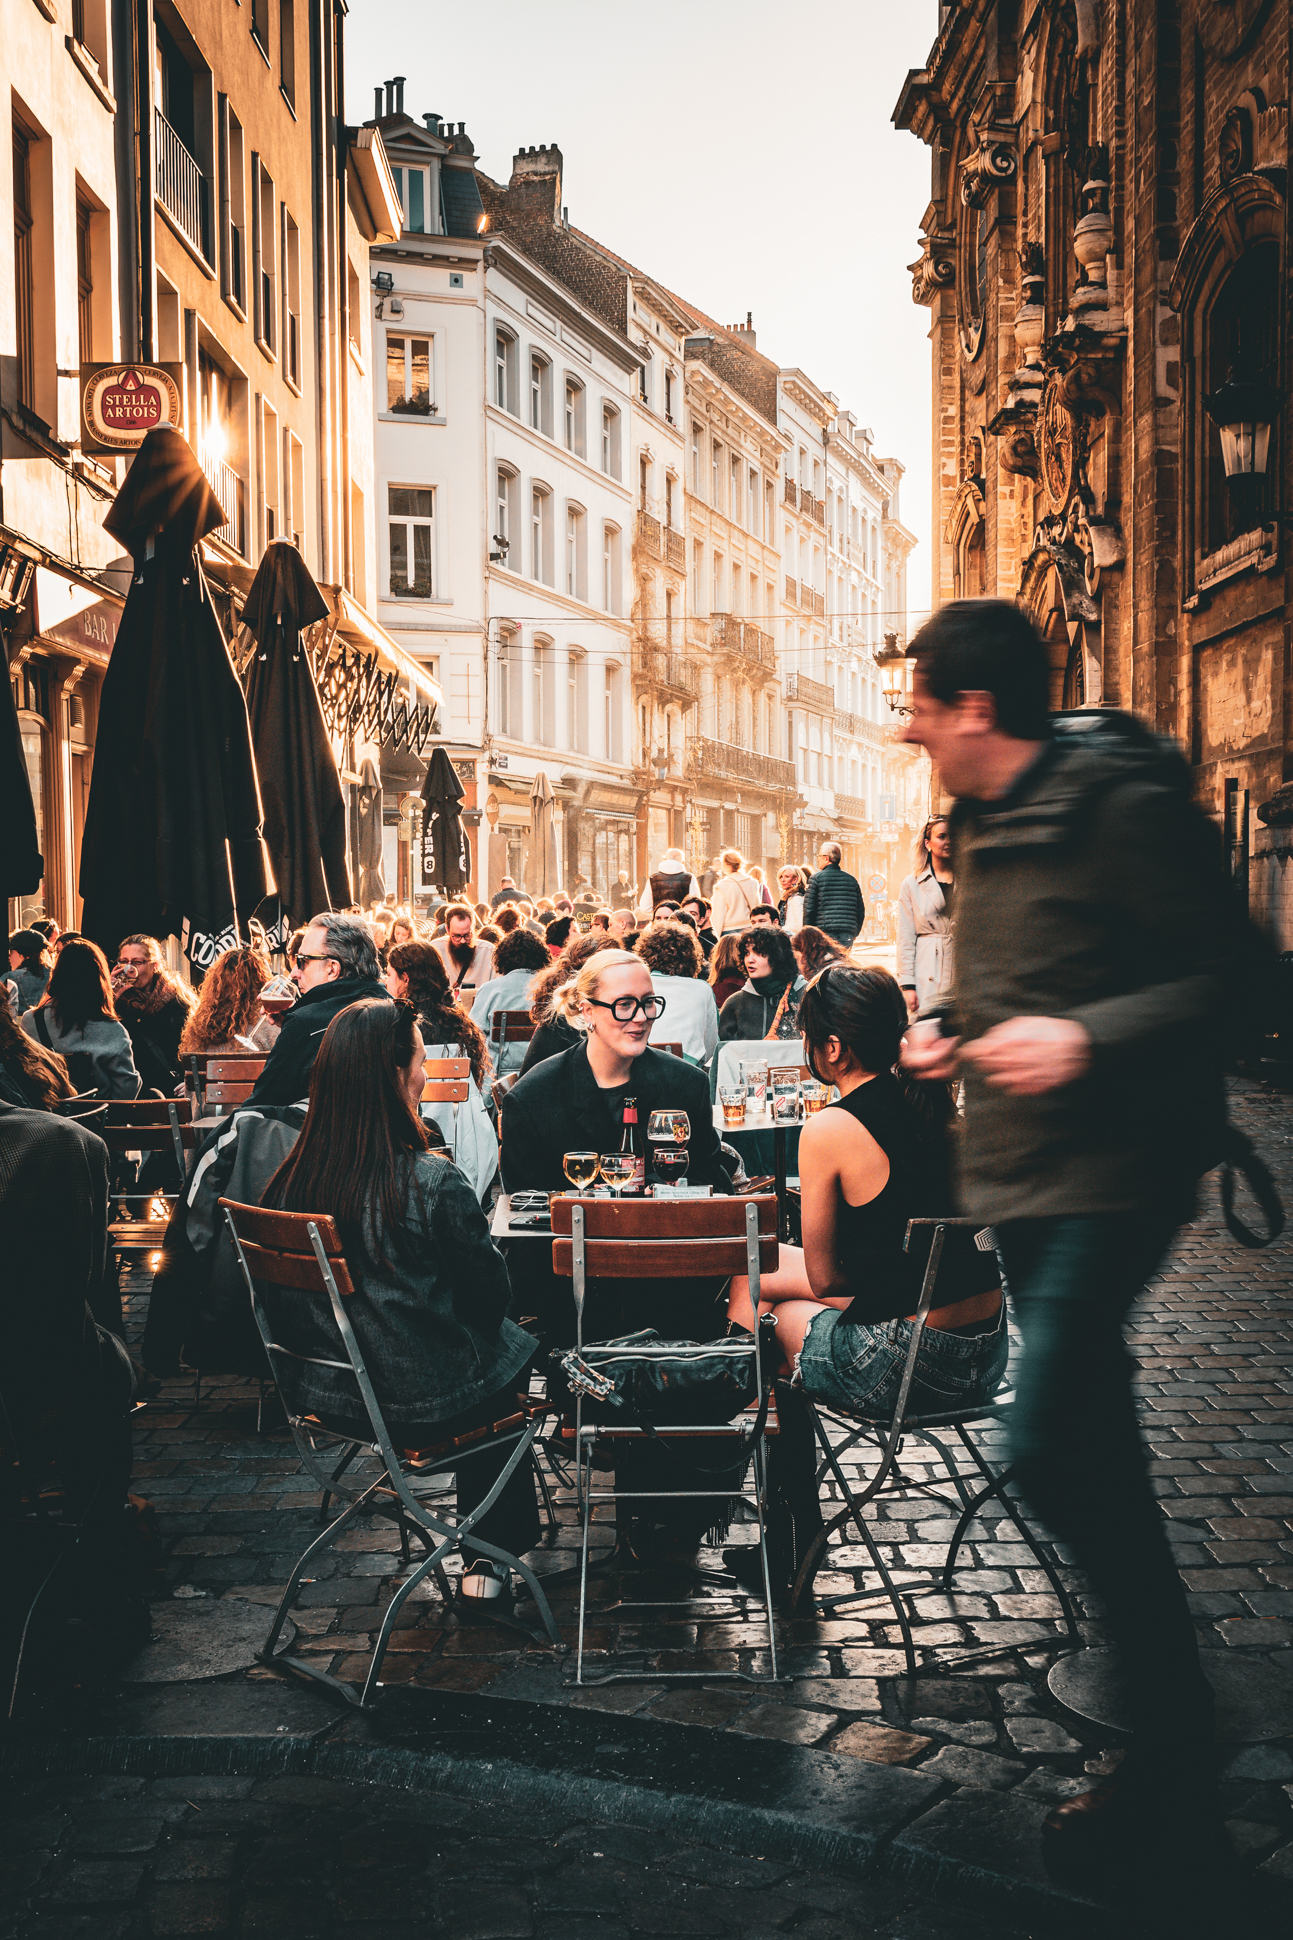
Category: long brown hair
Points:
column 79, row 991
column 441, row 1019
column 354, row 1158
column 230, row 1000
column 167, row 978
column 815, row 949
column 41, row 1073
column 726, row 959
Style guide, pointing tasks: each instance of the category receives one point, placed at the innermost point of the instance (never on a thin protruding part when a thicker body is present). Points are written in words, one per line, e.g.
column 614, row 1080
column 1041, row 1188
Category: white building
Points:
column 505, row 512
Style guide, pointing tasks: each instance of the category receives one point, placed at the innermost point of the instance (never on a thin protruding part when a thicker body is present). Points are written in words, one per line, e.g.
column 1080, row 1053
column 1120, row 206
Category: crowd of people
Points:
column 1083, row 1125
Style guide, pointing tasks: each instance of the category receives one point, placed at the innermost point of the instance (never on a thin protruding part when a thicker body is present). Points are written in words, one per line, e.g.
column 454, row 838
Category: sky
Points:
column 742, row 156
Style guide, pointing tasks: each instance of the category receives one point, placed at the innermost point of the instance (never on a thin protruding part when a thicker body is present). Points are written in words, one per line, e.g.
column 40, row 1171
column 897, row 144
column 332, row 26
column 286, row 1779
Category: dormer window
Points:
column 413, row 186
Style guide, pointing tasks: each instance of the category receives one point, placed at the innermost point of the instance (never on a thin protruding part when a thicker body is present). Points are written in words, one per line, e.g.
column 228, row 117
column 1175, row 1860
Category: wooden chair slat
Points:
column 676, row 1049
column 434, row 1068
column 661, row 1259
column 228, row 1094
column 684, row 1219
column 239, row 1070
column 148, row 1111
column 445, row 1091
column 294, row 1269
column 284, row 1232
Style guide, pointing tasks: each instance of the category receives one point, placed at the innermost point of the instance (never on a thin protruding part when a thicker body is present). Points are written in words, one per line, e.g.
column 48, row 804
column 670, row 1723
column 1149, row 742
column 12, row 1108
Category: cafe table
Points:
column 762, row 1122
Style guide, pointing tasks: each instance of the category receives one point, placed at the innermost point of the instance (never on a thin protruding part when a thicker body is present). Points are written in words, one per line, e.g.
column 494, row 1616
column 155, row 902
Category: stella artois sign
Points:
column 122, row 403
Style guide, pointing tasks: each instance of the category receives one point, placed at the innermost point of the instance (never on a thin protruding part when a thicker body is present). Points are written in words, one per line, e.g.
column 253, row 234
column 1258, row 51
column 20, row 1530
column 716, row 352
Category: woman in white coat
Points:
column 735, row 895
column 925, row 917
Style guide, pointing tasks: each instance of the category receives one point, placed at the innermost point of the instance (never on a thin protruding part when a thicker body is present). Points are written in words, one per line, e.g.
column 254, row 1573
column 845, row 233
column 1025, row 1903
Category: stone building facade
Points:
column 1106, row 242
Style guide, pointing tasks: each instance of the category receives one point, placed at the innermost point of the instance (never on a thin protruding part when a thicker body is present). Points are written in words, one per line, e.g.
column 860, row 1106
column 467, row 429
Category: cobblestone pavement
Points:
column 1212, row 1339
column 124, row 1858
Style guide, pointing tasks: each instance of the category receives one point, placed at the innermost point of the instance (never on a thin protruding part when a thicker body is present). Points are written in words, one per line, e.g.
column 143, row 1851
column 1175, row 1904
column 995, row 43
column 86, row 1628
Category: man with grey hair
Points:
column 336, row 965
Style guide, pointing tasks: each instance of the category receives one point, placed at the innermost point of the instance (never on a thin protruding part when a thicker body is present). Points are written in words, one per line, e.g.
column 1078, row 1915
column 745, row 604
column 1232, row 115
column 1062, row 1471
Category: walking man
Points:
column 1095, row 939
column 834, row 898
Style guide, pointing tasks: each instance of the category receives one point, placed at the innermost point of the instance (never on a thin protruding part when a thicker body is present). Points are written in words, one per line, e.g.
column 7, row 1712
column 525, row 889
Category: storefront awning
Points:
column 367, row 683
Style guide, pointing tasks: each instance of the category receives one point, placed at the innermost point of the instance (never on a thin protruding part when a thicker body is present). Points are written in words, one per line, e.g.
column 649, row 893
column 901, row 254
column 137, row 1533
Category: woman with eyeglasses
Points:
column 577, row 1101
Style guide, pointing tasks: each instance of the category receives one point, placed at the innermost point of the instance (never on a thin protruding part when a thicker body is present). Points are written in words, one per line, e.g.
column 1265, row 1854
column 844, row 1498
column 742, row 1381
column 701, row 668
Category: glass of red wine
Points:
column 667, row 1135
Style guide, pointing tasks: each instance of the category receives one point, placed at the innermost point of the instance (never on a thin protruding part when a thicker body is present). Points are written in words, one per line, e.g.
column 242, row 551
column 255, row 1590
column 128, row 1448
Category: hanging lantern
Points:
column 1243, row 410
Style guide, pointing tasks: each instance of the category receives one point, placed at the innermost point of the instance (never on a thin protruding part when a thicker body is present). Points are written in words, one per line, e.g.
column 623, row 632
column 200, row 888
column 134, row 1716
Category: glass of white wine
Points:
column 581, row 1168
column 617, row 1169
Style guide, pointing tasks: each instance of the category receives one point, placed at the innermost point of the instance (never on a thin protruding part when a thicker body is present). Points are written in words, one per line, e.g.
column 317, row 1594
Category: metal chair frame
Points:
column 391, row 1494
column 750, row 1431
column 890, row 1480
column 146, row 1125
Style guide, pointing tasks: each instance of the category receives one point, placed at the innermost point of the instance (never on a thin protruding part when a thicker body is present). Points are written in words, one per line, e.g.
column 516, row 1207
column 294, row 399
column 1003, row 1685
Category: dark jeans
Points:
column 513, row 1522
column 1080, row 1459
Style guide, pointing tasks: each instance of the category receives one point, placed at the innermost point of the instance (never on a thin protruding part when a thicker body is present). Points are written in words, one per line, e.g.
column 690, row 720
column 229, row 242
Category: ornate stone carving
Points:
column 993, row 162
column 1060, row 444
column 934, row 269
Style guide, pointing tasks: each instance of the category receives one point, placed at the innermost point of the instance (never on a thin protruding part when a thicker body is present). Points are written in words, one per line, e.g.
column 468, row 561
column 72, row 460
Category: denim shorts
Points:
column 858, row 1365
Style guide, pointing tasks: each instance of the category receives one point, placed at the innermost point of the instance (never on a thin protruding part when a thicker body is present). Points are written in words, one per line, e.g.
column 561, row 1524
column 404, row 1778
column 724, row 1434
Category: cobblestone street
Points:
column 1213, row 1341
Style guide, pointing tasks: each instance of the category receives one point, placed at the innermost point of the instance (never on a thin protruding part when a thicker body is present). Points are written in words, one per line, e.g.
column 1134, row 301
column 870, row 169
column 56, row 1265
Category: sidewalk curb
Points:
column 758, row 1797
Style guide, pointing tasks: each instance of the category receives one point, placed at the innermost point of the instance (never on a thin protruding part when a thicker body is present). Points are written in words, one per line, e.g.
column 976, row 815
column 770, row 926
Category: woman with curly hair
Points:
column 229, row 1019
column 31, row 1077
column 552, row 1032
column 814, row 950
column 673, row 955
column 415, row 974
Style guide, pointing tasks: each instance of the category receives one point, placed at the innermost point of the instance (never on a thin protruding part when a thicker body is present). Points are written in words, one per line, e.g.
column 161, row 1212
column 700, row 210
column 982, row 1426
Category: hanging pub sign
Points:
column 122, row 403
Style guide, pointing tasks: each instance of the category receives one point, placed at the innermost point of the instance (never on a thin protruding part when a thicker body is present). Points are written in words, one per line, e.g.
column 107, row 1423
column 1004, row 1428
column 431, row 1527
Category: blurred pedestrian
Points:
column 791, row 881
column 735, row 895
column 668, row 882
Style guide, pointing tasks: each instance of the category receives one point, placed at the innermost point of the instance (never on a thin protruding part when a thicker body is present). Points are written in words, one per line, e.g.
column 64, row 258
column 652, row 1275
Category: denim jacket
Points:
column 431, row 1325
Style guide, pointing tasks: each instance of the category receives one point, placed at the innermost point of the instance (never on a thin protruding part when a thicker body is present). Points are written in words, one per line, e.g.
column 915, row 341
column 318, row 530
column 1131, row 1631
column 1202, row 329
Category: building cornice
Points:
column 703, row 380
column 501, row 253
column 807, row 396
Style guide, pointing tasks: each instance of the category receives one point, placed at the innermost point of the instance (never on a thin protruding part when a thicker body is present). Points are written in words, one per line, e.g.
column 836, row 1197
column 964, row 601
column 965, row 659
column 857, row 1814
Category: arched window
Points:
column 1240, row 335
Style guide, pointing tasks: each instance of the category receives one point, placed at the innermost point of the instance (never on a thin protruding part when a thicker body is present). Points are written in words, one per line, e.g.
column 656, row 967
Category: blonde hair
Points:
column 732, row 860
column 579, row 989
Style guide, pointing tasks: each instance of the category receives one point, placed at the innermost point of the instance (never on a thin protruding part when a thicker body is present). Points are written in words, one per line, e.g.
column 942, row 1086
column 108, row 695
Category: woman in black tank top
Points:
column 877, row 1158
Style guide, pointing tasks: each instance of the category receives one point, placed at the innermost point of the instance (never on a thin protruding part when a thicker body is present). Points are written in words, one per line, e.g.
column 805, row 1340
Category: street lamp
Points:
column 892, row 662
column 1243, row 410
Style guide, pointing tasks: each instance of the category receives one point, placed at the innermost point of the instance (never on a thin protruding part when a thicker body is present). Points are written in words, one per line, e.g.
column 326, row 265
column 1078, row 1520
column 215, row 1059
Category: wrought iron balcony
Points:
column 810, row 693
column 181, row 187
column 739, row 637
column 719, row 760
column 792, row 591
column 675, row 550
column 673, row 677
column 227, row 486
column 648, row 534
column 791, row 491
column 850, row 808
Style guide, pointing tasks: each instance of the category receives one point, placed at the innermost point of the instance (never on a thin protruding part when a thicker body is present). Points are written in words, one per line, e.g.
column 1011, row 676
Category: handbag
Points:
column 640, row 1380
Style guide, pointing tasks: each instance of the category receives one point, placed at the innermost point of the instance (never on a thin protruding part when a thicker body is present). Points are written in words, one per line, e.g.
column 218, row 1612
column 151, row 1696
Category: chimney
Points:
column 377, row 102
column 535, row 187
column 433, row 124
column 744, row 332
column 399, row 93
column 390, row 97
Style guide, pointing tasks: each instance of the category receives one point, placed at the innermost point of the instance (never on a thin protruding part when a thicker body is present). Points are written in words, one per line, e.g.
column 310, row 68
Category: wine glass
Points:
column 665, row 1130
column 581, row 1168
column 617, row 1169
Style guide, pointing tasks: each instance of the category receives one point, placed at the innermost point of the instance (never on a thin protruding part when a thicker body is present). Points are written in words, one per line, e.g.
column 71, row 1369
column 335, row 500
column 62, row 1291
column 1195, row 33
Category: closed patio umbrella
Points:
column 543, row 866
column 21, row 864
column 445, row 860
column 305, row 811
column 172, row 828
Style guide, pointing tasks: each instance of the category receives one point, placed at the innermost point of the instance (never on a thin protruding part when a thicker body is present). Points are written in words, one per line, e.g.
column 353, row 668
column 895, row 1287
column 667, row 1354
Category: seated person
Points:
column 767, row 1003
column 576, row 1101
column 415, row 974
column 228, row 1020
column 31, row 1077
column 673, row 956
column 335, row 965
column 844, row 1302
column 432, row 1291
column 78, row 1019
column 551, row 1031
column 518, row 959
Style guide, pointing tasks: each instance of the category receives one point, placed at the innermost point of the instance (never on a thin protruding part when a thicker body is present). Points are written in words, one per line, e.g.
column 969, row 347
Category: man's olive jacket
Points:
column 1094, row 891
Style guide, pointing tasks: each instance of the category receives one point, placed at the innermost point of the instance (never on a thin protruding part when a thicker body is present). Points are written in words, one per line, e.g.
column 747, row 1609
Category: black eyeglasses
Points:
column 625, row 1009
column 303, row 957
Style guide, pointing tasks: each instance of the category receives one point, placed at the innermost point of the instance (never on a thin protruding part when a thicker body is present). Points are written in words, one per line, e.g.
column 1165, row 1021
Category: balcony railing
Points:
column 227, row 486
column 718, row 758
column 851, row 808
column 648, row 534
column 181, row 186
column 675, row 677
column 675, row 550
column 732, row 635
column 792, row 591
column 791, row 491
column 819, row 605
column 810, row 693
column 815, row 507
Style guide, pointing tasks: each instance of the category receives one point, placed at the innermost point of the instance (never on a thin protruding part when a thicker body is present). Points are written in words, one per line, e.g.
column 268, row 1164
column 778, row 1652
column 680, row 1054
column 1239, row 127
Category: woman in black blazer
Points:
column 575, row 1102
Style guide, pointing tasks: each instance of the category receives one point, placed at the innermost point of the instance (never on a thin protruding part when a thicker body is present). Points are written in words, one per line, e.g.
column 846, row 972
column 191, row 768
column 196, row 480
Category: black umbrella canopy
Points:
column 305, row 811
column 172, row 828
column 444, row 840
column 21, row 864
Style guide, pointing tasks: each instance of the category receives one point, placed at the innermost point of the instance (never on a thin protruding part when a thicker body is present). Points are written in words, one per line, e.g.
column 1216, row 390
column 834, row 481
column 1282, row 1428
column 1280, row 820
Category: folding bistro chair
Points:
column 146, row 1125
column 888, row 1438
column 303, row 1252
column 509, row 1027
column 673, row 1239
column 228, row 1082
